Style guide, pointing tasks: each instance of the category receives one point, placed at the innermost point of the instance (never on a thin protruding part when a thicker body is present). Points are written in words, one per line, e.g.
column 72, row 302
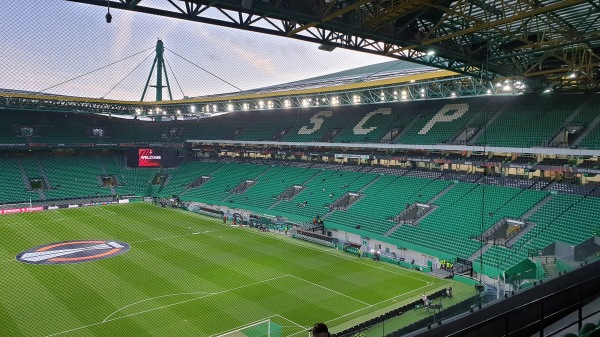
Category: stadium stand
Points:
column 83, row 181
column 451, row 118
column 506, row 121
column 373, row 212
column 184, row 175
column 549, row 113
column 12, row 183
column 321, row 191
column 223, row 181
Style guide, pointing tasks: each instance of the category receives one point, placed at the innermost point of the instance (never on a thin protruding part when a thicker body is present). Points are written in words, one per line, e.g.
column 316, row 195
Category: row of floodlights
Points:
column 308, row 102
column 510, row 85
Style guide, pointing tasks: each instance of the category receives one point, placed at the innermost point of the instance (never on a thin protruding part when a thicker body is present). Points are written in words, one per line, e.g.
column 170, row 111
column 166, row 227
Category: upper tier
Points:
column 505, row 121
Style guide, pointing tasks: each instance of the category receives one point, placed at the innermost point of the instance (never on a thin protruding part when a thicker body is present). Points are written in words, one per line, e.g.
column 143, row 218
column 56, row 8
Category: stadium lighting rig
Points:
column 108, row 16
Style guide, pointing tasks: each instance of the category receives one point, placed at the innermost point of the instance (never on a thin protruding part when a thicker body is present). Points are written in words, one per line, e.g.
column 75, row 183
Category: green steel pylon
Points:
column 159, row 62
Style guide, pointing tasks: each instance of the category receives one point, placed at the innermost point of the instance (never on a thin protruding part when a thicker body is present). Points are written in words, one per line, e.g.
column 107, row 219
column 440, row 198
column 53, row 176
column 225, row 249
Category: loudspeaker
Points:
column 247, row 4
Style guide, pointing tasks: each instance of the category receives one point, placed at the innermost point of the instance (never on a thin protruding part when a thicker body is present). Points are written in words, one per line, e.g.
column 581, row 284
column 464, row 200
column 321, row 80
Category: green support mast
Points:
column 159, row 62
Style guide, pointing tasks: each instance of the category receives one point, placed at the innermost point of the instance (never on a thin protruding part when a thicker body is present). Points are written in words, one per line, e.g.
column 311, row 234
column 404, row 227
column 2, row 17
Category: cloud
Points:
column 122, row 34
column 239, row 46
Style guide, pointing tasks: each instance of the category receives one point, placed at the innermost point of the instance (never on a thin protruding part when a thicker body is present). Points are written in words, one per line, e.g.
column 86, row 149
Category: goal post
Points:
column 266, row 328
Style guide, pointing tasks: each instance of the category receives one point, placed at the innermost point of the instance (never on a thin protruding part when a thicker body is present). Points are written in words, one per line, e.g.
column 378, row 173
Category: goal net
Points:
column 264, row 328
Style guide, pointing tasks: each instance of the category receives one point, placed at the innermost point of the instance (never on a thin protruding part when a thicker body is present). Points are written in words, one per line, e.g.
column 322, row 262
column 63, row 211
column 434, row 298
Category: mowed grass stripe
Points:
column 32, row 306
column 82, row 288
column 7, row 324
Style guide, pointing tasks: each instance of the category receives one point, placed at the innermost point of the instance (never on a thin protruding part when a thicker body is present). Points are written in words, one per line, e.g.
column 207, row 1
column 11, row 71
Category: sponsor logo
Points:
column 21, row 210
column 72, row 252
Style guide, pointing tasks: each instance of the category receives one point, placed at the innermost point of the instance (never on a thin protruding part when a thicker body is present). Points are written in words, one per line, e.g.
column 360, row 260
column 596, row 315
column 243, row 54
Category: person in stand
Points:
column 425, row 300
column 320, row 330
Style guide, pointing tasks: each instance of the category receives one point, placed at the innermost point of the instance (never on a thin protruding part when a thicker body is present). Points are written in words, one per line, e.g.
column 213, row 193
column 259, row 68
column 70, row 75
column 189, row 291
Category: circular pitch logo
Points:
column 72, row 252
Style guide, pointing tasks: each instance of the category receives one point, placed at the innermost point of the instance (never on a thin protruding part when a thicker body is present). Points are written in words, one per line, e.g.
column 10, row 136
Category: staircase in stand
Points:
column 549, row 266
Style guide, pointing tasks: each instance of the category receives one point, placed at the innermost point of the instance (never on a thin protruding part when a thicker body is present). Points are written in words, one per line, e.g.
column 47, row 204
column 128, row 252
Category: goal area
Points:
column 266, row 328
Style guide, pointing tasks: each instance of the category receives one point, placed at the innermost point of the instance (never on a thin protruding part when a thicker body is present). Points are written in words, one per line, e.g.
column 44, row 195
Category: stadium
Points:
column 445, row 182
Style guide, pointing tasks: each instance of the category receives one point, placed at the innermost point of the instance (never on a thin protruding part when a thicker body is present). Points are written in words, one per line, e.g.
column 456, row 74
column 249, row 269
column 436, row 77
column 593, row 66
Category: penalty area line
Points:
column 331, row 290
column 376, row 304
column 155, row 298
column 166, row 306
column 247, row 325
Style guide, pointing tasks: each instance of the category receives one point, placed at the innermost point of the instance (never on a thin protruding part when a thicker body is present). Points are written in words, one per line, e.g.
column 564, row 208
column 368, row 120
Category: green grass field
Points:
column 186, row 275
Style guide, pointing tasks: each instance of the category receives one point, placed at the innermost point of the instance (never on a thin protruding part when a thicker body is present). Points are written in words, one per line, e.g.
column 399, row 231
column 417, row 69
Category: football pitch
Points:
column 185, row 275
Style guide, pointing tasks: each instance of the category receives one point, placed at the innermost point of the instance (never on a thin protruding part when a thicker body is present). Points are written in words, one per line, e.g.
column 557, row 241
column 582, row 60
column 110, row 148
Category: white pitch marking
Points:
column 333, row 291
column 330, row 252
column 155, row 298
column 243, row 326
column 376, row 304
column 165, row 306
column 171, row 236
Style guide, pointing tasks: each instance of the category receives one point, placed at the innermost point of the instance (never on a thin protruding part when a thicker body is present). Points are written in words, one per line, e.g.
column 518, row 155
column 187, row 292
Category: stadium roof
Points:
column 366, row 76
column 371, row 76
column 552, row 43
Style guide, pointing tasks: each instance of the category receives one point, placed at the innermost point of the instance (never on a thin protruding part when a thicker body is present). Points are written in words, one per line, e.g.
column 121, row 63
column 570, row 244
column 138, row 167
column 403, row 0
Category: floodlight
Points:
column 108, row 16
column 326, row 47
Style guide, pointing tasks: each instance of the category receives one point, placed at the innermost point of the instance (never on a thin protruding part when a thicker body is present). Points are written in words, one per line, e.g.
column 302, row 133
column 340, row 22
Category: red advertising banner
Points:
column 21, row 210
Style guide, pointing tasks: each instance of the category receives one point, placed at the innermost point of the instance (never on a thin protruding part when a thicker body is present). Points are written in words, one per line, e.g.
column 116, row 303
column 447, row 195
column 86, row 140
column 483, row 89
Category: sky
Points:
column 44, row 43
